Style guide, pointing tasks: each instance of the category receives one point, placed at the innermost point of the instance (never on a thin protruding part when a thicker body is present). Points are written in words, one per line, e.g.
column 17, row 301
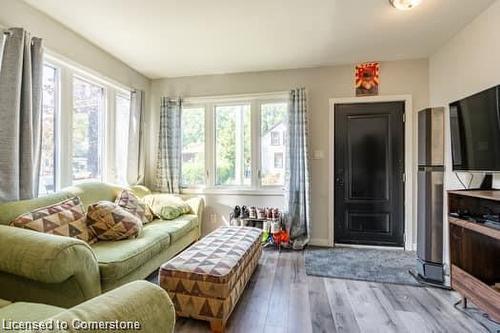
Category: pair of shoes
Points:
column 252, row 213
column 244, row 212
column 236, row 213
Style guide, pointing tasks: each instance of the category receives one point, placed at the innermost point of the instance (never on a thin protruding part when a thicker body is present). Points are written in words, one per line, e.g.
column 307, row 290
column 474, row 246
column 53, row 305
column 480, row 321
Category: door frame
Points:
column 410, row 169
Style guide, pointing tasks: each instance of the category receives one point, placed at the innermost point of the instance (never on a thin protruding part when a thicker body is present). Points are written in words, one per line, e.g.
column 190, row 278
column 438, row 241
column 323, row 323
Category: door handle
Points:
column 339, row 181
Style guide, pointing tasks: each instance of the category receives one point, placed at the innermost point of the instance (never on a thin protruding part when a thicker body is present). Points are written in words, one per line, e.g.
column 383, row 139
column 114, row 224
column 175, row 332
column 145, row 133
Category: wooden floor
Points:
column 280, row 297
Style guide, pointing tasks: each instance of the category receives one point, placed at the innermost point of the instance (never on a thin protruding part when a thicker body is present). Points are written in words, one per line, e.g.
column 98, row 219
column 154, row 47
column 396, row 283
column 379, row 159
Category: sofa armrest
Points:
column 140, row 190
column 197, row 205
column 48, row 258
column 139, row 301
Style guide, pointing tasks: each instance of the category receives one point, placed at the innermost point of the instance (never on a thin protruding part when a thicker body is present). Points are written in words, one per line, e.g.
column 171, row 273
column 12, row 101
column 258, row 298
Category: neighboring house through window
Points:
column 278, row 160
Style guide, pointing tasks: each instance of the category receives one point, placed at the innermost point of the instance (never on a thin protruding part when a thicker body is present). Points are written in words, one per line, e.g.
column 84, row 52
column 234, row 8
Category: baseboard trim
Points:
column 357, row 246
column 319, row 242
column 326, row 242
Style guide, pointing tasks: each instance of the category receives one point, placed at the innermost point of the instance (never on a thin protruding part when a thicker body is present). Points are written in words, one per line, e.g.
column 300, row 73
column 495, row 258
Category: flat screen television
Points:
column 475, row 132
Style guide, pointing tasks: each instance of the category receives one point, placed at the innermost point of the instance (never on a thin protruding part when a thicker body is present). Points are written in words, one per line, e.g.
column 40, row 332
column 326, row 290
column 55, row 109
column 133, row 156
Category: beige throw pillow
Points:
column 167, row 206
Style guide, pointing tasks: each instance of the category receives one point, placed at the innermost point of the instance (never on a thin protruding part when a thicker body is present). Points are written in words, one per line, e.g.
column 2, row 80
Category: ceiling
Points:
column 171, row 38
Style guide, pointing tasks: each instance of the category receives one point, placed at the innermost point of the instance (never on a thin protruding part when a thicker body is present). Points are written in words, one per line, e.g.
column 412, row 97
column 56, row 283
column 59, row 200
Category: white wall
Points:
column 467, row 64
column 61, row 40
column 397, row 78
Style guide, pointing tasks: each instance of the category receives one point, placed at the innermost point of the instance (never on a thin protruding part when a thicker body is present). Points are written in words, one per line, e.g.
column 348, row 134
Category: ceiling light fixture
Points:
column 404, row 4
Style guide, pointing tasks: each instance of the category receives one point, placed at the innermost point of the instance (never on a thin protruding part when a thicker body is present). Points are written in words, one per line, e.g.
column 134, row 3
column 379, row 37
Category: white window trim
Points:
column 57, row 124
column 112, row 132
column 66, row 71
column 104, row 121
column 209, row 103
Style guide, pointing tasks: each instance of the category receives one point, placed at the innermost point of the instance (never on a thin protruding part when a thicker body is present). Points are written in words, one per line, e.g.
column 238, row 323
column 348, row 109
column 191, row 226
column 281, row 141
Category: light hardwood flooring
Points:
column 280, row 297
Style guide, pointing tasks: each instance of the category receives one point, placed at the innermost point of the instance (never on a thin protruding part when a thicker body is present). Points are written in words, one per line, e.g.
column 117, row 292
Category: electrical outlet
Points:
column 213, row 218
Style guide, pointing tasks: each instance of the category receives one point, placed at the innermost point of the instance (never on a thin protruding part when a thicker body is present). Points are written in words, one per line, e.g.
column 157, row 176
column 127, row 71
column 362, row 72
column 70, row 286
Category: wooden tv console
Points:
column 475, row 249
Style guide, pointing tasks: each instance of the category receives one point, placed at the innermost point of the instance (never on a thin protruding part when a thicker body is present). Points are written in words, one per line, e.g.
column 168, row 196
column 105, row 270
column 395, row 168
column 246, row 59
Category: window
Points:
column 193, row 145
column 47, row 182
column 122, row 124
column 273, row 128
column 233, row 146
column 85, row 127
column 278, row 160
column 234, row 142
column 275, row 138
column 87, row 130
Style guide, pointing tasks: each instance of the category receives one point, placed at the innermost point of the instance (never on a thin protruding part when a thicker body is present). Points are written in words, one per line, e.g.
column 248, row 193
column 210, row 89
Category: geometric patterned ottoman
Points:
column 206, row 280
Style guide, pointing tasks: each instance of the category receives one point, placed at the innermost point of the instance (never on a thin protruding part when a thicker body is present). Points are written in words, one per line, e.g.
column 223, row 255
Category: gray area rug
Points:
column 385, row 266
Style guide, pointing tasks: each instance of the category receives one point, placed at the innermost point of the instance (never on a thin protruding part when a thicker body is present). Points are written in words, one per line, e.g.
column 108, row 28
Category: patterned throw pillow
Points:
column 167, row 206
column 128, row 201
column 109, row 221
column 66, row 218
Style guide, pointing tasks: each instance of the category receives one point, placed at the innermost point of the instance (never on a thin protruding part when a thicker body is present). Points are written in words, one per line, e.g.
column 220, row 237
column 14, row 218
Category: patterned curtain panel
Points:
column 20, row 113
column 297, row 206
column 135, row 155
column 168, row 169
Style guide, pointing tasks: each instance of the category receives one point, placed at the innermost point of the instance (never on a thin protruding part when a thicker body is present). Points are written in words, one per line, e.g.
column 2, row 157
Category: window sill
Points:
column 274, row 191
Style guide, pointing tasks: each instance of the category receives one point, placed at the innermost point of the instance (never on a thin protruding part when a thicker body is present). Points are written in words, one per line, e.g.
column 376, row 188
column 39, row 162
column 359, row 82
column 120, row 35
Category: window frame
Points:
column 67, row 70
column 104, row 137
column 275, row 134
column 205, row 172
column 209, row 104
column 214, row 145
column 57, row 127
column 113, row 172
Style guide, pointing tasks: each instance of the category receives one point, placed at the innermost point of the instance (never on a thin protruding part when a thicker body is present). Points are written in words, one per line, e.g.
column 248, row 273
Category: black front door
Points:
column 369, row 170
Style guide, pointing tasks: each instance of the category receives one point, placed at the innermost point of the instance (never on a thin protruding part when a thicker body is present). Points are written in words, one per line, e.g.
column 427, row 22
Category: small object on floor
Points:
column 275, row 227
column 476, row 314
column 244, row 212
column 252, row 213
column 280, row 237
column 237, row 211
column 429, row 283
column 265, row 236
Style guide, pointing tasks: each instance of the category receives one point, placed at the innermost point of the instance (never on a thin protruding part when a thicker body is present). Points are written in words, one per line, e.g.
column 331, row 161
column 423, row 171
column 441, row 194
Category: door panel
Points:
column 369, row 166
column 367, row 143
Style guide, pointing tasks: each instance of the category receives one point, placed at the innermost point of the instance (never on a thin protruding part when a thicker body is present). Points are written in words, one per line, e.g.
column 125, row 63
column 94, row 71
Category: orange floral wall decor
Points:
column 367, row 79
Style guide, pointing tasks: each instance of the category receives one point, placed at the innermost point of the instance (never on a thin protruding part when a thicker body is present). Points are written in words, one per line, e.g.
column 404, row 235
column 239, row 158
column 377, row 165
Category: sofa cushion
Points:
column 117, row 259
column 66, row 218
column 180, row 226
column 109, row 221
column 130, row 202
column 166, row 206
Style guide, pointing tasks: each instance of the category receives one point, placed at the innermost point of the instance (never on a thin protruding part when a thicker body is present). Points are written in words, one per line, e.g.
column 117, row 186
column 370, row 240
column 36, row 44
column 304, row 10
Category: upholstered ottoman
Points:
column 206, row 280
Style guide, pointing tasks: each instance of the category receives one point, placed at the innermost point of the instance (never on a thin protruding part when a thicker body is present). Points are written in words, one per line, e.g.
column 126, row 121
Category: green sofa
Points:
column 137, row 303
column 63, row 271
